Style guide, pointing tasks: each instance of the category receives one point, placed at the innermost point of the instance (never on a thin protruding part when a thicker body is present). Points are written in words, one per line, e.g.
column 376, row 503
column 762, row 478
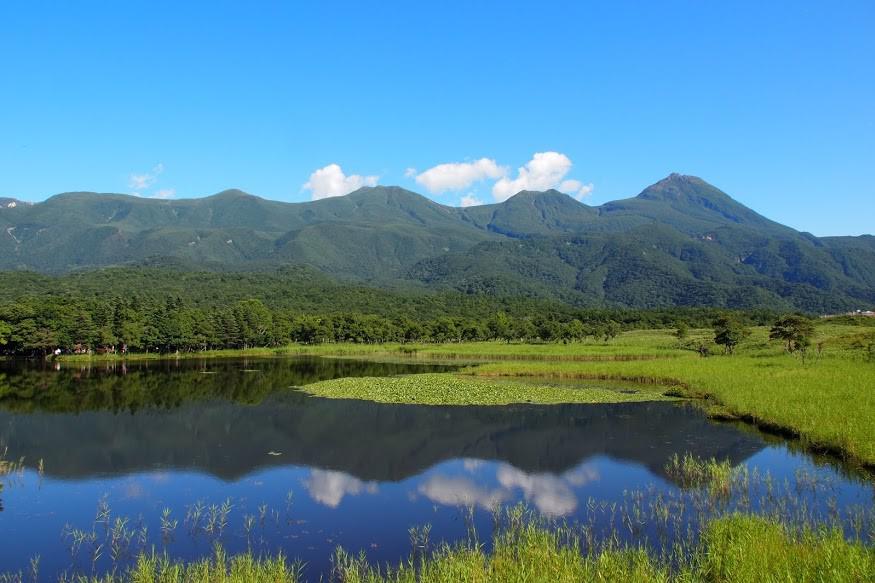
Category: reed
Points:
column 241, row 568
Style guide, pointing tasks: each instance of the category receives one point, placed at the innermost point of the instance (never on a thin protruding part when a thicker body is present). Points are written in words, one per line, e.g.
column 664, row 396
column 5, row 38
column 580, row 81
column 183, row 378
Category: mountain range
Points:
column 680, row 242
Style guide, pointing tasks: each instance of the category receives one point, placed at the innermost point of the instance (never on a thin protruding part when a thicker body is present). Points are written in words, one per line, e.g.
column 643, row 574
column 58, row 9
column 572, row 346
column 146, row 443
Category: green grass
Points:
column 737, row 548
column 744, row 548
column 243, row 568
column 692, row 472
column 452, row 389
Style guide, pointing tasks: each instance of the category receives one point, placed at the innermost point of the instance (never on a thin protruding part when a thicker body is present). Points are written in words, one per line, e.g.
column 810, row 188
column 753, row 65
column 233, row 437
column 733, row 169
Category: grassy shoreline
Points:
column 830, row 406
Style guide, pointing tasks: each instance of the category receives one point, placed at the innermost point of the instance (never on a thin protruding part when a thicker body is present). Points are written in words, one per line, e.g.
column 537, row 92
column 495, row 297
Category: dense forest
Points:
column 166, row 310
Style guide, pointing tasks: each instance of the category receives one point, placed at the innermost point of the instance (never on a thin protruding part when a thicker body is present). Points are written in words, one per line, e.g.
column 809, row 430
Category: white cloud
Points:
column 140, row 182
column 550, row 494
column 544, row 171
column 331, row 181
column 460, row 491
column 576, row 188
column 470, row 200
column 582, row 475
column 472, row 465
column 329, row 487
column 459, row 175
column 164, row 193
column 410, row 172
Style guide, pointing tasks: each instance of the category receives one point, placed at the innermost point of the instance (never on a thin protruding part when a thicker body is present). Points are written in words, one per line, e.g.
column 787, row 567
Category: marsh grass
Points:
column 737, row 548
column 241, row 568
column 452, row 389
column 11, row 469
column 690, row 471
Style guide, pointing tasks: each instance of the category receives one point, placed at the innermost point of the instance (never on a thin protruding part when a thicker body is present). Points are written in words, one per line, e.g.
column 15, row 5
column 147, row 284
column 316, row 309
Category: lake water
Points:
column 304, row 475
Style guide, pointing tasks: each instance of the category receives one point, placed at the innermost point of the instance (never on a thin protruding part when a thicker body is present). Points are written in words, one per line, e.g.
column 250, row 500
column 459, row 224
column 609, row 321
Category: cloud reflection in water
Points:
column 329, row 487
column 551, row 494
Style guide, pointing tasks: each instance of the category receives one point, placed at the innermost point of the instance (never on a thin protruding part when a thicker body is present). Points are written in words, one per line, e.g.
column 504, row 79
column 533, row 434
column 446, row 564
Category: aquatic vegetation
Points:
column 242, row 568
column 8, row 467
column 452, row 389
column 689, row 471
column 738, row 548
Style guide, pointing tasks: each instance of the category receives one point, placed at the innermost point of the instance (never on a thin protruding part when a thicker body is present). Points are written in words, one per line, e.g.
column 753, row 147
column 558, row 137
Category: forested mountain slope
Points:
column 680, row 242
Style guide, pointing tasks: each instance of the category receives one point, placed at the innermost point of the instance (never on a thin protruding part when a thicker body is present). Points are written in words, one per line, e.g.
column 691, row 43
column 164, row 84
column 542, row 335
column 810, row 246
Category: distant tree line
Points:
column 38, row 325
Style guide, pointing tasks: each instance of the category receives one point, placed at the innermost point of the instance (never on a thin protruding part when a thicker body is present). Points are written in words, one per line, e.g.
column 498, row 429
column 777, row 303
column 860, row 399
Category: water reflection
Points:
column 370, row 441
column 551, row 494
column 360, row 474
column 329, row 487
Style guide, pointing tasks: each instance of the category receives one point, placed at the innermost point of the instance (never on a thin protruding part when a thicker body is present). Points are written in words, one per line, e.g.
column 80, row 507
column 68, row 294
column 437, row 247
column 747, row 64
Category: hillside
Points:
column 680, row 242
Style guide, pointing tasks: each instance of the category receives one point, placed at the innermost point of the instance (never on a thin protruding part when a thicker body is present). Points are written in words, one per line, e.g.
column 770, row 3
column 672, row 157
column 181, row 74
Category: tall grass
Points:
column 689, row 471
column 220, row 568
column 10, row 468
column 736, row 548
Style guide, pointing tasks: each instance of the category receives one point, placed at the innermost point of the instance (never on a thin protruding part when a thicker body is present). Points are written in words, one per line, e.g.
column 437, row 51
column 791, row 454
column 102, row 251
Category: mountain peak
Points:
column 538, row 193
column 395, row 196
column 381, row 189
column 689, row 204
column 234, row 193
column 682, row 187
column 543, row 196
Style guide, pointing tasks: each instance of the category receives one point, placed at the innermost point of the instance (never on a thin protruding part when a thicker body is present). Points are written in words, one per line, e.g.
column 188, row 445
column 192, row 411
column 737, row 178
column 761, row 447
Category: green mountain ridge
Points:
column 681, row 241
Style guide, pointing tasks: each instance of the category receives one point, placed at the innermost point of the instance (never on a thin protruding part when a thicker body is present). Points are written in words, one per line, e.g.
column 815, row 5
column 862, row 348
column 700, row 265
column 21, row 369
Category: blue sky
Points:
column 774, row 102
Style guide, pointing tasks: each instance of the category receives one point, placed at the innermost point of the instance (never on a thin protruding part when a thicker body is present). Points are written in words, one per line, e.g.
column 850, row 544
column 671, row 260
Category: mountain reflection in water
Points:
column 92, row 422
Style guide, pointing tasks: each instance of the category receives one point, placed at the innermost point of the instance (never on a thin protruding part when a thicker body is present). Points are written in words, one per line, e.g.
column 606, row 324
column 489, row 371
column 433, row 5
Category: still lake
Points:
column 108, row 448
